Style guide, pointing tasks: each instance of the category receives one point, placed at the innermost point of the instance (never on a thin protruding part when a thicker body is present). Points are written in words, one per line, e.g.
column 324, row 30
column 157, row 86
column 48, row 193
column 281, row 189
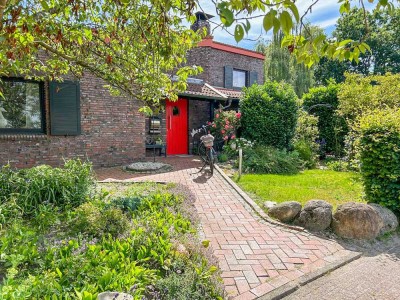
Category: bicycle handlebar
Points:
column 196, row 131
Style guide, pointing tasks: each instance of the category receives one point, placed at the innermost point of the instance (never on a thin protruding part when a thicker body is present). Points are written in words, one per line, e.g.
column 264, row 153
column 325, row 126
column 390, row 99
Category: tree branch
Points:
column 3, row 4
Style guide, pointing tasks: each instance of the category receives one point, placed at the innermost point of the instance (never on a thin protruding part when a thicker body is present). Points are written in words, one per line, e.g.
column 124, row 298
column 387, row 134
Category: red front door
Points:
column 177, row 127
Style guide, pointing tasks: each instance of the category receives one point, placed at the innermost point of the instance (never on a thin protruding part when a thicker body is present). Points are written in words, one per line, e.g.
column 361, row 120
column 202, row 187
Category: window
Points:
column 21, row 109
column 175, row 111
column 239, row 78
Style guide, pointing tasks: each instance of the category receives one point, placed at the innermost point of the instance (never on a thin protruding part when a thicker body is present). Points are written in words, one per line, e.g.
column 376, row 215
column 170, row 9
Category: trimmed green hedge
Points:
column 269, row 114
column 380, row 157
column 322, row 102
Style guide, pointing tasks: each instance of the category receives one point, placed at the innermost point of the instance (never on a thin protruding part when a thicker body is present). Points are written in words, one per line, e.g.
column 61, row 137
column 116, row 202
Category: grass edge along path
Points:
column 331, row 186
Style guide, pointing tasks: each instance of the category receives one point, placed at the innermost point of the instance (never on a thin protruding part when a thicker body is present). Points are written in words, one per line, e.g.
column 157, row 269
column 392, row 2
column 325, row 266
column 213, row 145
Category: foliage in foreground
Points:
column 269, row 114
column 64, row 188
column 380, row 157
column 132, row 246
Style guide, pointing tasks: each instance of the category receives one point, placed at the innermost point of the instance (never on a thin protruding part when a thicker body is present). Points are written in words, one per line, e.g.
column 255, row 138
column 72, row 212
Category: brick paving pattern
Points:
column 373, row 276
column 255, row 257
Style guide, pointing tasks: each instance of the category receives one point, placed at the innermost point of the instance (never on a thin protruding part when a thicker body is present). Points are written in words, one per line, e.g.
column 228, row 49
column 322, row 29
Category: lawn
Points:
column 334, row 187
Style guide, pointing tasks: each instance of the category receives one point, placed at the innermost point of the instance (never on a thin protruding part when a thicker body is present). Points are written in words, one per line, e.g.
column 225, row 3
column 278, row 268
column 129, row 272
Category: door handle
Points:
column 170, row 123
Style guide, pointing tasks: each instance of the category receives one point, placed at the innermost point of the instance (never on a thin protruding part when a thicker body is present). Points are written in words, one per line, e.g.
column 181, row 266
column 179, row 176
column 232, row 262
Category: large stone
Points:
column 286, row 211
column 270, row 204
column 357, row 221
column 390, row 222
column 316, row 215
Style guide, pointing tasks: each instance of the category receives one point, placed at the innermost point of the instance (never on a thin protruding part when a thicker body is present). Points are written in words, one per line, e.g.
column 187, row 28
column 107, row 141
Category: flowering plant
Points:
column 225, row 124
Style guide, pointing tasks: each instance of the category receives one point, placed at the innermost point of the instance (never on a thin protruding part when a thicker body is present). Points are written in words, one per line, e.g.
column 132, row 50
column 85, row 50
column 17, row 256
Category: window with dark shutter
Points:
column 228, row 77
column 65, row 118
column 253, row 78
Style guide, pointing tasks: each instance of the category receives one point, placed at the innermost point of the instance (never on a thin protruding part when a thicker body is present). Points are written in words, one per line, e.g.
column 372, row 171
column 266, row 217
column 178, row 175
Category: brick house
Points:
column 43, row 123
column 226, row 70
column 51, row 121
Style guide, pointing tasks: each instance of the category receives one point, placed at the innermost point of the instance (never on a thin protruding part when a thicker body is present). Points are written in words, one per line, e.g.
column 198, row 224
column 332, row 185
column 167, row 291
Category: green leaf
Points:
column 268, row 21
column 205, row 243
column 239, row 33
column 295, row 12
column 345, row 42
column 277, row 25
column 286, row 22
column 226, row 16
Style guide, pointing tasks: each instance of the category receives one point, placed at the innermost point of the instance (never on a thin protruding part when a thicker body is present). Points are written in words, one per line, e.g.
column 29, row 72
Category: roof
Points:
column 207, row 91
column 208, row 42
column 233, row 94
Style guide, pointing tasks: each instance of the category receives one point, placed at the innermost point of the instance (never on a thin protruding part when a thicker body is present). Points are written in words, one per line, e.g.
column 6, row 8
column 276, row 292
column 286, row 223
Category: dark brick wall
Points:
column 112, row 134
column 213, row 62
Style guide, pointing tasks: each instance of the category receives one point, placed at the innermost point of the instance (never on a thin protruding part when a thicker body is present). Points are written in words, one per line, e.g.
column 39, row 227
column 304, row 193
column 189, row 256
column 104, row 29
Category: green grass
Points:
column 334, row 187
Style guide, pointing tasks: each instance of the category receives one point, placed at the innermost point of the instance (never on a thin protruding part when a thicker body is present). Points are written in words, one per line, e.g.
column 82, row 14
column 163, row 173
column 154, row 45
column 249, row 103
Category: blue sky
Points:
column 324, row 14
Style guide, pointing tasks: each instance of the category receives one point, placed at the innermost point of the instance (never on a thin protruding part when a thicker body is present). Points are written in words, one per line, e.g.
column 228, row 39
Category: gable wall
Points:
column 213, row 62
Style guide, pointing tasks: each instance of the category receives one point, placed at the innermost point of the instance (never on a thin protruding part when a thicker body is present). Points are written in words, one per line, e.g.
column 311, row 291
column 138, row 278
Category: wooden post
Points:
column 240, row 162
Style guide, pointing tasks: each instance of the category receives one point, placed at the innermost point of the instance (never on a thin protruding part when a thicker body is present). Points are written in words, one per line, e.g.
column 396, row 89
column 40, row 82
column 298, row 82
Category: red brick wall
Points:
column 112, row 134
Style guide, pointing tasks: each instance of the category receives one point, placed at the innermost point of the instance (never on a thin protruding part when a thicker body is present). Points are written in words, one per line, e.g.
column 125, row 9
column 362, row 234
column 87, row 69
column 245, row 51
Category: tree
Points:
column 132, row 45
column 135, row 44
column 382, row 35
column 280, row 65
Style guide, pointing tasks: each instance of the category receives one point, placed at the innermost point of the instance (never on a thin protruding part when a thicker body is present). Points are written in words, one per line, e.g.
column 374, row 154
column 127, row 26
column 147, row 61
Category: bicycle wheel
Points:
column 202, row 150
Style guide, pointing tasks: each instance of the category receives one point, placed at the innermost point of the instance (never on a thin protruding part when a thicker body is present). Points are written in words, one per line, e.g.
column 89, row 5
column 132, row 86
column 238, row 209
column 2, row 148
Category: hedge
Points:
column 380, row 157
column 322, row 102
column 269, row 114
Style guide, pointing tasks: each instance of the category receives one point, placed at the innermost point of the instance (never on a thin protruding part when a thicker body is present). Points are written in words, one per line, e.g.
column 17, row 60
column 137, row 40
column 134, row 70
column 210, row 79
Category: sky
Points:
column 324, row 14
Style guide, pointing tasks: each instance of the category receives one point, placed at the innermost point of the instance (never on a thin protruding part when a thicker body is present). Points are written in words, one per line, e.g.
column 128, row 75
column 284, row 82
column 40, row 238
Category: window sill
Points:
column 22, row 136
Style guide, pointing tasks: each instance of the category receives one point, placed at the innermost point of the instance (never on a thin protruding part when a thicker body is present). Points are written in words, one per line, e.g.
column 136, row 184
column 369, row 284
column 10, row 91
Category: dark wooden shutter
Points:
column 253, row 78
column 228, row 77
column 65, row 116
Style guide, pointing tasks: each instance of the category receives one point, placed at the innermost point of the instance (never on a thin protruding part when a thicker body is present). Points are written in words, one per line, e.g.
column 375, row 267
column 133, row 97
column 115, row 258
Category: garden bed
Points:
column 139, row 239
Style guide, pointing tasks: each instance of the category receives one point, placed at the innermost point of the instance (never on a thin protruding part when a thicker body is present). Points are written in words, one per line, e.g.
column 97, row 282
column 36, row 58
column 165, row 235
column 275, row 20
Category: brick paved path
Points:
column 255, row 257
column 376, row 275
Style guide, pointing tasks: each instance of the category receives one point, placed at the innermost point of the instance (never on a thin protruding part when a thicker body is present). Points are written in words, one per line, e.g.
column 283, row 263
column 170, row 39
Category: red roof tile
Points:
column 208, row 42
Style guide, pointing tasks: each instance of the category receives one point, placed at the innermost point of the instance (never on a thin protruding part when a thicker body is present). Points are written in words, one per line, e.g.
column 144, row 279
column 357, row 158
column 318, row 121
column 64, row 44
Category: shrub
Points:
column 126, row 204
column 268, row 160
column 269, row 114
column 361, row 95
column 338, row 165
column 322, row 102
column 97, row 222
column 232, row 148
column 225, row 124
column 62, row 188
column 305, row 138
column 380, row 157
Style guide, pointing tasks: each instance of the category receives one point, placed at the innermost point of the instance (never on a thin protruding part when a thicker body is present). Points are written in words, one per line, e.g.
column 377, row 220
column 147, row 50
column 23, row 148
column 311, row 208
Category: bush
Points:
column 225, row 124
column 305, row 139
column 322, row 102
column 380, row 157
column 361, row 95
column 269, row 114
column 268, row 160
column 232, row 148
column 338, row 165
column 62, row 188
column 98, row 222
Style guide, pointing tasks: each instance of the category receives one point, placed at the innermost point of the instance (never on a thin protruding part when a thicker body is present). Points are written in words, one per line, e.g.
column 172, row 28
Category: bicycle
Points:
column 205, row 148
